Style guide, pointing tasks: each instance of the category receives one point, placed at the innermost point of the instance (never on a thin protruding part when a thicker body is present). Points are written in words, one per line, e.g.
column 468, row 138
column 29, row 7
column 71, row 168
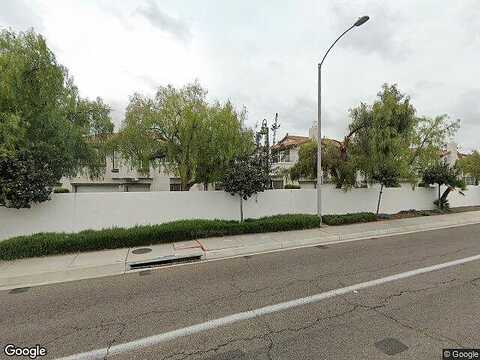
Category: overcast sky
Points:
column 263, row 53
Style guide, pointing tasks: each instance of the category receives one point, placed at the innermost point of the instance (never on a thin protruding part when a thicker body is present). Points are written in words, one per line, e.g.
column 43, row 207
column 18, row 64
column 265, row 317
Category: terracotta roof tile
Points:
column 290, row 141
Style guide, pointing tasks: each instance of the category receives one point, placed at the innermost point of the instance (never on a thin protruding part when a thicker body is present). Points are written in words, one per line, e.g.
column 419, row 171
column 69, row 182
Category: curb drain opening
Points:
column 162, row 262
column 19, row 290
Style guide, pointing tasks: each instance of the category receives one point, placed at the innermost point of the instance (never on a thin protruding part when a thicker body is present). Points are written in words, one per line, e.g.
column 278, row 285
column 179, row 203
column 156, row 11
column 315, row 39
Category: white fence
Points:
column 80, row 211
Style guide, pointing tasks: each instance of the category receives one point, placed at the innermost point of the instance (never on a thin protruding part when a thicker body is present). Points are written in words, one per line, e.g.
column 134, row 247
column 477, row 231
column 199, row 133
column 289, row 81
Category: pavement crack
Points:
column 120, row 332
column 203, row 352
column 387, row 299
column 401, row 322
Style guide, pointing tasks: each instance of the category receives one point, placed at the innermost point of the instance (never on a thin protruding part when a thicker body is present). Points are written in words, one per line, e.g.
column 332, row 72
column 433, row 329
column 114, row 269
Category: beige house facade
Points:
column 120, row 176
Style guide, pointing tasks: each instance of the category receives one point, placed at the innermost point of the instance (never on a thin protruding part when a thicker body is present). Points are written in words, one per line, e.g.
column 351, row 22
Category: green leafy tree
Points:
column 443, row 174
column 306, row 166
column 381, row 146
column 45, row 127
column 166, row 128
column 470, row 165
column 245, row 177
column 429, row 136
column 342, row 171
column 181, row 131
column 221, row 139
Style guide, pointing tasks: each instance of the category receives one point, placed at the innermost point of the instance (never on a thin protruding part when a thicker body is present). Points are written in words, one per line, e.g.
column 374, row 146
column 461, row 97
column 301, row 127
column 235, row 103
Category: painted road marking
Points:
column 212, row 324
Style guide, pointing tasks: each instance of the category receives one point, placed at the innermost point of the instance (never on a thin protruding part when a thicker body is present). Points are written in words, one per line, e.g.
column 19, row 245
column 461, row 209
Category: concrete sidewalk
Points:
column 54, row 269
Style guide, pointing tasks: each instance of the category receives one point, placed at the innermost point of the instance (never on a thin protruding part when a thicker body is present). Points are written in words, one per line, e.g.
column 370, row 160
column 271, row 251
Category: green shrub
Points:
column 291, row 186
column 60, row 190
column 348, row 218
column 43, row 244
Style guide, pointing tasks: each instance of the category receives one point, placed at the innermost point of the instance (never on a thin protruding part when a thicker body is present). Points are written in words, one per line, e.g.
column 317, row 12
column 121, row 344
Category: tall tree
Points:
column 222, row 138
column 181, row 131
column 381, row 146
column 44, row 124
column 342, row 171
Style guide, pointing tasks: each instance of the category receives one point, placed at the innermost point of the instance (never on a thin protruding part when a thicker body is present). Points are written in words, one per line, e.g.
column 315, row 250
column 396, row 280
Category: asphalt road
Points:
column 413, row 318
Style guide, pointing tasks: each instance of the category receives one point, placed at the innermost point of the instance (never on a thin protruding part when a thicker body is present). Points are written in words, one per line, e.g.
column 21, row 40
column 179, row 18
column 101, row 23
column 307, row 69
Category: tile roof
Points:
column 290, row 141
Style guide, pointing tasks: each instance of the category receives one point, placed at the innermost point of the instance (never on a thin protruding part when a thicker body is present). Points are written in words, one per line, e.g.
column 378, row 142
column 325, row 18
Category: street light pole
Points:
column 359, row 22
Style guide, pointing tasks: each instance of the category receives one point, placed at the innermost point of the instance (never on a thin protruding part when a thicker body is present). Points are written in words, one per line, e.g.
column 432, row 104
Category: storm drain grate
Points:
column 321, row 247
column 167, row 260
column 141, row 251
column 145, row 272
column 19, row 290
column 390, row 346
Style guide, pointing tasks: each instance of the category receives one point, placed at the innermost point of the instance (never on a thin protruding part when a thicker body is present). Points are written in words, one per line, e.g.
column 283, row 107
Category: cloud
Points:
column 19, row 15
column 117, row 110
column 164, row 22
column 381, row 38
column 299, row 115
column 467, row 109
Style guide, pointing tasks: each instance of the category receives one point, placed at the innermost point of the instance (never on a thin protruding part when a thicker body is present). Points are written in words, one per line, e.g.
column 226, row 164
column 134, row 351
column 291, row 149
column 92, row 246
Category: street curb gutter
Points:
column 338, row 239
column 91, row 272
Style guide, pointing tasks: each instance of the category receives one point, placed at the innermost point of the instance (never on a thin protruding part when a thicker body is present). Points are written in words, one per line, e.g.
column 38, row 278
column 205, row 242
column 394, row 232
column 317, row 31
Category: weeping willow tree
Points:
column 180, row 131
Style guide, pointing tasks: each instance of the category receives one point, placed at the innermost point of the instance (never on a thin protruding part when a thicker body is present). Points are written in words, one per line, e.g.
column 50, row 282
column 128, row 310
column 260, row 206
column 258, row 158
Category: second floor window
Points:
column 285, row 156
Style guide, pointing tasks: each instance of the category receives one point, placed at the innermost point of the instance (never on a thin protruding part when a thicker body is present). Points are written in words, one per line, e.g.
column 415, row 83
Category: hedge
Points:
column 349, row 218
column 43, row 244
column 60, row 190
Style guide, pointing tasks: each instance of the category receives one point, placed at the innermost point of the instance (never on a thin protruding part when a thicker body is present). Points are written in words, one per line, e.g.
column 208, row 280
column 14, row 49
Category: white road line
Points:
column 160, row 338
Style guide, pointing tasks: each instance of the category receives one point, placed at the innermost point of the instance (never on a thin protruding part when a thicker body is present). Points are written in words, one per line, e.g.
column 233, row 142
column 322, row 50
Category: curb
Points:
column 93, row 272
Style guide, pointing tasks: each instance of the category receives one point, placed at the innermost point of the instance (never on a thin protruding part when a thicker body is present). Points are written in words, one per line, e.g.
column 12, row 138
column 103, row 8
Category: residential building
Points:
column 119, row 175
column 450, row 155
column 285, row 155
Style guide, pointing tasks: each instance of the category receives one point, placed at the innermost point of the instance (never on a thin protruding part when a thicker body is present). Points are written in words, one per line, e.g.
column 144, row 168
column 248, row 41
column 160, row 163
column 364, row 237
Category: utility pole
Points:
column 275, row 127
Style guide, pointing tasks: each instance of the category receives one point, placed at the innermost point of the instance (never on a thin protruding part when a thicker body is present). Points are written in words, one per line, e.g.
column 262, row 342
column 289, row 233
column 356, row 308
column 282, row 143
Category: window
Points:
column 115, row 161
column 285, row 156
column 175, row 184
column 275, row 158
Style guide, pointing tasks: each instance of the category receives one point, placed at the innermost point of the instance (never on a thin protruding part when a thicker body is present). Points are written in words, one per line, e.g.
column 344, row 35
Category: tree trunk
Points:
column 379, row 198
column 439, row 205
column 444, row 196
column 241, row 209
column 205, row 186
column 187, row 186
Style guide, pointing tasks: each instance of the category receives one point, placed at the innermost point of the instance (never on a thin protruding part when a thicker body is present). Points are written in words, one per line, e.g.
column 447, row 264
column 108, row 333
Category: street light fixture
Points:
column 362, row 20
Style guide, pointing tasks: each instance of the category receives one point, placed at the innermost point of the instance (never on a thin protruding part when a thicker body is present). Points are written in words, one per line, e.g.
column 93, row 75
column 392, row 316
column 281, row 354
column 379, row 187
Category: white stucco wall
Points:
column 80, row 211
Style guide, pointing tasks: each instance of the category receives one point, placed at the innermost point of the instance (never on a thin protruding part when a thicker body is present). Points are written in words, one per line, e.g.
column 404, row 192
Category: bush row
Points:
column 349, row 218
column 43, row 244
